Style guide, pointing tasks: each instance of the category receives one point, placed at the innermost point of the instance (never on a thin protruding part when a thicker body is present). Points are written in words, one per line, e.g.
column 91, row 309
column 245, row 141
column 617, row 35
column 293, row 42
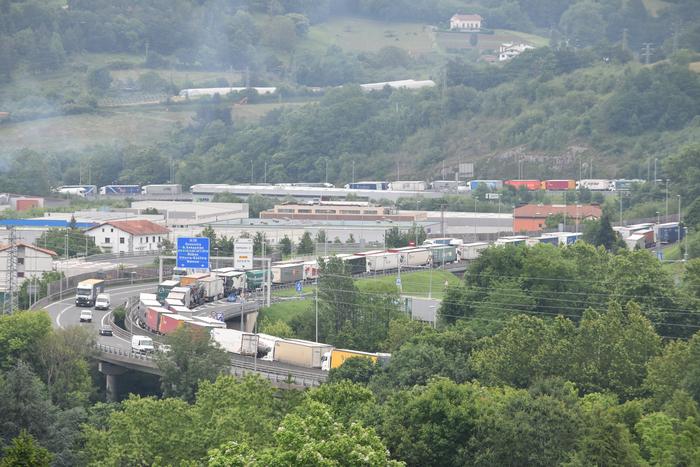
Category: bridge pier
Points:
column 249, row 321
column 112, row 372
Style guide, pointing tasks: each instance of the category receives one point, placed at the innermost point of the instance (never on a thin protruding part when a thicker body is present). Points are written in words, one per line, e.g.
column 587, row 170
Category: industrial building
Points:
column 345, row 211
column 532, row 217
column 206, row 192
column 32, row 261
column 183, row 213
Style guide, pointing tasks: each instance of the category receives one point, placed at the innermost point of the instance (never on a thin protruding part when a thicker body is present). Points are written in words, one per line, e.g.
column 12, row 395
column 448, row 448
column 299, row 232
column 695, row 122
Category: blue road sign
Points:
column 398, row 281
column 193, row 252
column 298, row 286
column 220, row 316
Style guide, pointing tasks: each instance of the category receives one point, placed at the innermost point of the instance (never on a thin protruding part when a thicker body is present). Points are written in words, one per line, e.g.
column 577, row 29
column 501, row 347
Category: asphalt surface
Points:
column 65, row 314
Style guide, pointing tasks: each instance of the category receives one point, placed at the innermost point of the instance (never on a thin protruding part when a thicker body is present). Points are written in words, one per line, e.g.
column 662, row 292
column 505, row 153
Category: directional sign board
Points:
column 493, row 195
column 193, row 252
column 243, row 254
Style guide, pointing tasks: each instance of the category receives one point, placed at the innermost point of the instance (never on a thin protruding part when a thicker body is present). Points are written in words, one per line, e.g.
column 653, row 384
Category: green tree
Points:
column 99, row 80
column 306, row 245
column 78, row 243
column 20, row 335
column 63, row 361
column 286, row 246
column 677, row 368
column 320, row 236
column 258, row 203
column 209, row 233
column 24, row 451
column 277, row 328
column 311, row 435
column 683, row 169
column 337, row 301
column 347, row 401
column 260, row 244
column 191, row 360
column 601, row 233
column 145, row 431
column 356, row 370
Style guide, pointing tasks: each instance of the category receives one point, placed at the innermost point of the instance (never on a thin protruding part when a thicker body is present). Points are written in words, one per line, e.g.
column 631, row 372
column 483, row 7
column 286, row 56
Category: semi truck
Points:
column 336, row 357
column 234, row 341
column 287, row 273
column 87, row 291
column 595, row 184
column 164, row 189
column 408, row 185
column 213, row 288
column 530, row 185
column 170, row 322
column 234, row 281
column 164, row 289
column 300, row 352
column 382, row 262
column 559, row 185
column 153, row 315
column 470, row 251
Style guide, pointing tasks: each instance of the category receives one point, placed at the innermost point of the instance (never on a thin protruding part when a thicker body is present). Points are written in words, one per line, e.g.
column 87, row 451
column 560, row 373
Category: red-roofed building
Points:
column 32, row 261
column 128, row 236
column 465, row 22
column 532, row 217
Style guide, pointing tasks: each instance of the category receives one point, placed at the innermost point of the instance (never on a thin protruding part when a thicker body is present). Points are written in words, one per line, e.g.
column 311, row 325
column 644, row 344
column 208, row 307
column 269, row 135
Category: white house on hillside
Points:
column 466, row 22
column 32, row 261
column 509, row 50
column 129, row 236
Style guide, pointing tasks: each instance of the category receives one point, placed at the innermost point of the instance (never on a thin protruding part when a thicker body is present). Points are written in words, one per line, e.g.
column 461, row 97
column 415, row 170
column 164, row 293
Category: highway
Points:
column 117, row 350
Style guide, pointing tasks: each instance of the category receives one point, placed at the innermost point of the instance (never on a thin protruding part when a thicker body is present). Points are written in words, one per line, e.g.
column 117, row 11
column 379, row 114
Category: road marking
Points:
column 58, row 317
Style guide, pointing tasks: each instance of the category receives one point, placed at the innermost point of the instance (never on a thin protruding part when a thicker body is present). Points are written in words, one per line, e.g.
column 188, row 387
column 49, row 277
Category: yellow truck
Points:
column 336, row 357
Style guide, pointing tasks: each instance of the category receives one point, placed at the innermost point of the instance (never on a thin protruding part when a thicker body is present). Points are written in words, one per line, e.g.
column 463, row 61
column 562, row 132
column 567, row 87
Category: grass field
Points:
column 284, row 311
column 416, row 284
column 125, row 125
column 69, row 132
column 179, row 78
column 364, row 35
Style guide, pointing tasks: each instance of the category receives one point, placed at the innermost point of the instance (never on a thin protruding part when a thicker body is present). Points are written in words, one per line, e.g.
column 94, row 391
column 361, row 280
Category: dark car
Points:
column 105, row 330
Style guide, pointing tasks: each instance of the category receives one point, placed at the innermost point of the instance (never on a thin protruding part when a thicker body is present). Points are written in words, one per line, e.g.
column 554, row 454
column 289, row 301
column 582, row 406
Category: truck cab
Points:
column 87, row 291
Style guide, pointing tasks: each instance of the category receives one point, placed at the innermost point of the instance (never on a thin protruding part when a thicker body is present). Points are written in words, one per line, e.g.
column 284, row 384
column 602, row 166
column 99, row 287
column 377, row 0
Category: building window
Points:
column 154, row 239
column 20, row 274
column 121, row 240
column 304, row 211
column 106, row 239
column 370, row 212
column 285, row 211
column 20, row 260
column 103, row 229
column 111, row 230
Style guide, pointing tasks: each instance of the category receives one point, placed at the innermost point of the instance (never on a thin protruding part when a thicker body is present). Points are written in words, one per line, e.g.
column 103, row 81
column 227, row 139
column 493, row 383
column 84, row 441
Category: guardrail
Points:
column 240, row 366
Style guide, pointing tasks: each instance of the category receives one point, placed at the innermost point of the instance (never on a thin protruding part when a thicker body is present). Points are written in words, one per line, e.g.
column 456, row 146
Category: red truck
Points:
column 153, row 317
column 170, row 322
column 531, row 185
column 559, row 185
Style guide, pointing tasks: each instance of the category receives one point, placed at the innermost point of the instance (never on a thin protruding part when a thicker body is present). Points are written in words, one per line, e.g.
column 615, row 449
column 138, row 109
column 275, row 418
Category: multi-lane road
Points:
column 64, row 313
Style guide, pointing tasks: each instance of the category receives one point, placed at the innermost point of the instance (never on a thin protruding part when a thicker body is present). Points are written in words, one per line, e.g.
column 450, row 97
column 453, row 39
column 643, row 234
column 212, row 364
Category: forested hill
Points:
column 586, row 96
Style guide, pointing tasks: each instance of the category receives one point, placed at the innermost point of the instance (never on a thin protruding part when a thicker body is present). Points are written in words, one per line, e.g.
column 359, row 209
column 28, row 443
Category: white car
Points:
column 102, row 302
column 141, row 344
column 86, row 315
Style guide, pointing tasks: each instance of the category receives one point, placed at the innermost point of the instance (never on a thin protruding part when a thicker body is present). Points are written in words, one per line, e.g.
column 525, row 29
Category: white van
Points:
column 86, row 315
column 141, row 344
column 102, row 302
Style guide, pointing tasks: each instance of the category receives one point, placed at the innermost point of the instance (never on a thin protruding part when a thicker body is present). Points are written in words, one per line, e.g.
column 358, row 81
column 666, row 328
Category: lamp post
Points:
column 658, row 243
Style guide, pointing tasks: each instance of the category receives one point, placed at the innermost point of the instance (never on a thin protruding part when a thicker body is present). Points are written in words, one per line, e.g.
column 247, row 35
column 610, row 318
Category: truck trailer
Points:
column 164, row 189
column 287, row 273
column 234, row 341
column 213, row 288
column 471, row 251
column 300, row 352
column 165, row 287
column 87, row 291
column 336, row 357
column 384, row 261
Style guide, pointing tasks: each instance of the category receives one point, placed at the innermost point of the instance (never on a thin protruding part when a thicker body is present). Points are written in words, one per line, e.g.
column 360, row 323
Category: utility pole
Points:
column 11, row 281
column 647, row 52
column 667, row 200
column 251, row 171
column 656, row 237
column 265, row 173
column 442, row 220
column 316, row 306
column 353, row 171
column 655, row 173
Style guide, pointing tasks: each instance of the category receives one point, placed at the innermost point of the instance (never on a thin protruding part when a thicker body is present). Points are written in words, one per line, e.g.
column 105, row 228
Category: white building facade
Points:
column 466, row 22
column 129, row 236
column 32, row 261
column 509, row 50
